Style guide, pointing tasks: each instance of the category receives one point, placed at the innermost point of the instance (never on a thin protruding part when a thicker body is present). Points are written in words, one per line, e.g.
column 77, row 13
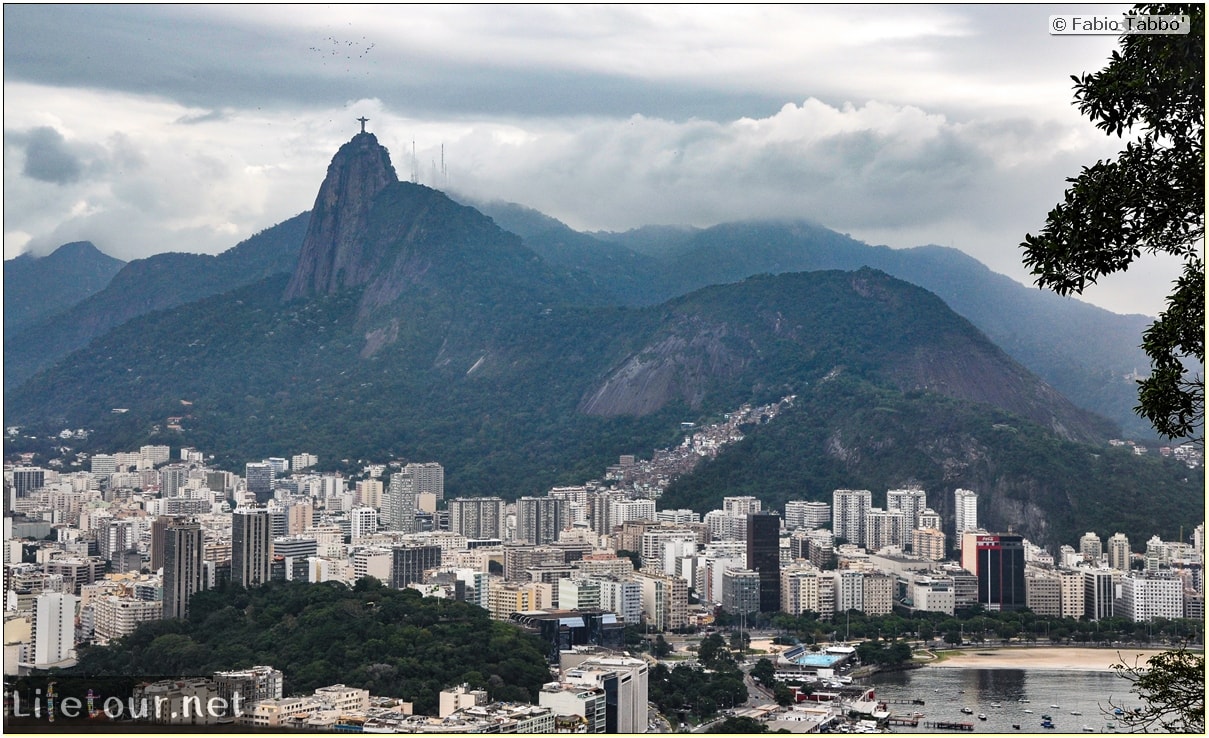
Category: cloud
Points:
column 188, row 127
column 48, row 158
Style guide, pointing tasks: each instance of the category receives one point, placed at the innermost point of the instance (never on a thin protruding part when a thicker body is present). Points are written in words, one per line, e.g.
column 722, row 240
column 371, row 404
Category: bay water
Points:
column 1007, row 697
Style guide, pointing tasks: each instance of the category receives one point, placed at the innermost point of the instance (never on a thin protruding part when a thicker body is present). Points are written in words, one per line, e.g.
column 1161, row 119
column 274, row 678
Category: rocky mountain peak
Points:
column 333, row 254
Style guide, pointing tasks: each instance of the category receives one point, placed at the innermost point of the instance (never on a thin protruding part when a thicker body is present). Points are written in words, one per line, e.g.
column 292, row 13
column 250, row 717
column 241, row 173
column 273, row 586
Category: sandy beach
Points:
column 1043, row 657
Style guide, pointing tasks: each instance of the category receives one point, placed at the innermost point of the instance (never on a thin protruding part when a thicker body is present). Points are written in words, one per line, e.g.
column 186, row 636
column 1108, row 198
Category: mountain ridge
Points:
column 1087, row 352
column 37, row 287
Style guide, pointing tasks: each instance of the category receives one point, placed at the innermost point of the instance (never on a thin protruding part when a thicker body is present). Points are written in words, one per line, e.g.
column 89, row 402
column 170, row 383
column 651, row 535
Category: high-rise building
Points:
column 745, row 505
column 661, row 547
column 624, row 681
column 1070, row 585
column 298, row 462
column 1098, row 594
column 623, row 511
column 54, row 627
column 928, row 543
column 251, row 546
column 154, row 455
column 259, row 476
column 399, row 503
column 183, row 572
column 741, row 591
column 477, row 517
column 173, row 479
column 929, row 518
column 115, row 537
column 910, row 502
column 677, row 516
column 102, row 465
column 369, row 493
column 410, row 563
column 764, row 557
column 997, row 559
column 800, row 589
column 848, row 509
column 1119, row 553
column 539, row 520
column 159, row 532
column 965, row 511
column 1146, row 596
column 26, row 479
column 807, row 514
column 885, row 528
column 1091, row 547
column 363, row 522
column 664, row 600
column 428, row 478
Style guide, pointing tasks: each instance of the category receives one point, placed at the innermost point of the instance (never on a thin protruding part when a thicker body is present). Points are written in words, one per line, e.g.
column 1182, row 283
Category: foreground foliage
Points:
column 1150, row 199
column 394, row 643
column 1172, row 684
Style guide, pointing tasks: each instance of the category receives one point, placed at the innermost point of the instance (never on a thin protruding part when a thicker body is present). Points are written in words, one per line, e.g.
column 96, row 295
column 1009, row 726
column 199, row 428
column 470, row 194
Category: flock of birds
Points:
column 350, row 50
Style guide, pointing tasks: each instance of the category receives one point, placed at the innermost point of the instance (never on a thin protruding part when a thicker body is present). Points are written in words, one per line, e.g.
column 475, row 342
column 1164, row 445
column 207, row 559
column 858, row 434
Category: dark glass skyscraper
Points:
column 764, row 557
column 183, row 549
column 251, row 546
column 997, row 559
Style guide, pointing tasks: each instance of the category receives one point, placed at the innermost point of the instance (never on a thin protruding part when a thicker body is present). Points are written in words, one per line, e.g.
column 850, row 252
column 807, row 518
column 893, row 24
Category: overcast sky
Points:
column 149, row 128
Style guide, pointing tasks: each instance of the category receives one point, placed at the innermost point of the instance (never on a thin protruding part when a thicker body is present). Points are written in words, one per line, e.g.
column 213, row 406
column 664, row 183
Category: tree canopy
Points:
column 1150, row 199
column 1172, row 684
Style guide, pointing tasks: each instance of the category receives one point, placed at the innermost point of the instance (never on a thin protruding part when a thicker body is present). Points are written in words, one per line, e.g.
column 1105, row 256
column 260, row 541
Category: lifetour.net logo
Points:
column 188, row 701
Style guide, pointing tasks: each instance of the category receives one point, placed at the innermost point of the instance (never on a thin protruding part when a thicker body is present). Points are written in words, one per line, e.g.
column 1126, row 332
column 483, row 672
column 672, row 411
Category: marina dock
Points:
column 948, row 725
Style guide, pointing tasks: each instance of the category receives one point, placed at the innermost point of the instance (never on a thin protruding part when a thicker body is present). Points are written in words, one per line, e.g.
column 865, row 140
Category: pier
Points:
column 947, row 725
column 903, row 720
column 903, row 702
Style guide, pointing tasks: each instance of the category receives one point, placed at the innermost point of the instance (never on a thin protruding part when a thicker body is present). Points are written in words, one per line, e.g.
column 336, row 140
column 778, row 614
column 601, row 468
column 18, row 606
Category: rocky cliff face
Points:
column 335, row 252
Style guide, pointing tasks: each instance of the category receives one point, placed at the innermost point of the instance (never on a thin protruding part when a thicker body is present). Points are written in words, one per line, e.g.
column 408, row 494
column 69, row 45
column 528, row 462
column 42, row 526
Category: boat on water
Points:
column 982, row 716
column 1047, row 724
column 1016, row 726
column 1029, row 712
column 1054, row 707
column 967, row 711
column 1088, row 729
column 996, row 704
column 1075, row 712
column 1047, row 717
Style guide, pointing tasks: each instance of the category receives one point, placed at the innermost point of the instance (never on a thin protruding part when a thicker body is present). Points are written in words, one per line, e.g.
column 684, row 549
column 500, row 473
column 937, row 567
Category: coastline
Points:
column 1042, row 658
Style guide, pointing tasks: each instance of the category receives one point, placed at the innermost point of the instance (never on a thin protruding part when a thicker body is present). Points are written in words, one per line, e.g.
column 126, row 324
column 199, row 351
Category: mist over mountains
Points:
column 393, row 322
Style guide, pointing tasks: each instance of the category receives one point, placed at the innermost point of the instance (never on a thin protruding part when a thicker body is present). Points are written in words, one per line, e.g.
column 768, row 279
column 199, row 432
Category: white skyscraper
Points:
column 848, row 510
column 54, row 627
column 911, row 502
column 965, row 510
column 1118, row 552
column 363, row 522
column 808, row 515
column 741, row 505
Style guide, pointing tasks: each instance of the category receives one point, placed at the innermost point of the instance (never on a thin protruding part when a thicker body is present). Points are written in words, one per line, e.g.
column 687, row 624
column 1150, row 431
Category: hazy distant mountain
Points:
column 425, row 331
column 1086, row 352
column 38, row 287
column 141, row 286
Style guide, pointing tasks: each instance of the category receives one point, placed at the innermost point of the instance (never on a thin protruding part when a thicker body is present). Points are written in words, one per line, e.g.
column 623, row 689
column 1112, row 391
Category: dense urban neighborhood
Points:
column 624, row 599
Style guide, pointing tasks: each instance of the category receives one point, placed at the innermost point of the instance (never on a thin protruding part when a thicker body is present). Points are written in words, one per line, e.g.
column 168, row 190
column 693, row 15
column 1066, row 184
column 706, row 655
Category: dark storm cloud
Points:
column 48, row 157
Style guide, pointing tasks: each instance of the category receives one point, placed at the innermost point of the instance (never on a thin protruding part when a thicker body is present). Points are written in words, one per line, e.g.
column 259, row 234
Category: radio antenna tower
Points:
column 415, row 176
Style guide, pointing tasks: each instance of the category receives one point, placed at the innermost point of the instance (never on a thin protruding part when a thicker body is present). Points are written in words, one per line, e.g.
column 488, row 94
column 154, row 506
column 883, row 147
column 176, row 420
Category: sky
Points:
column 152, row 128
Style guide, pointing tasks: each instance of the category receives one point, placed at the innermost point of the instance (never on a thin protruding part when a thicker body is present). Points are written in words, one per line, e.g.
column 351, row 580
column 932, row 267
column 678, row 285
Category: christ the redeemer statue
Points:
column 363, row 120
